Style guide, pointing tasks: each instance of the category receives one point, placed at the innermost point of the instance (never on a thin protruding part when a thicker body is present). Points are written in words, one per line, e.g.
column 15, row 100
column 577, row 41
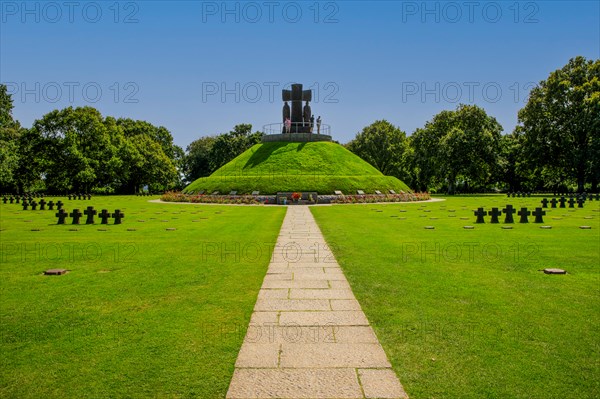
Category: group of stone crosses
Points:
column 28, row 201
column 495, row 213
column 90, row 212
column 539, row 213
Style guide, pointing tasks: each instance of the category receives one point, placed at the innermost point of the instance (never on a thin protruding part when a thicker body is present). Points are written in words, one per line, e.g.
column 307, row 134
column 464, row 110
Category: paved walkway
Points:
column 308, row 337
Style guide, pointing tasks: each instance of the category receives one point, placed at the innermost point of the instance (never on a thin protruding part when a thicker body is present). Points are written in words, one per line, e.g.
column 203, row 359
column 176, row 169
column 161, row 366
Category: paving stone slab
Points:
column 321, row 294
column 344, row 304
column 293, row 334
column 258, row 355
column 270, row 305
column 335, row 318
column 332, row 355
column 295, row 284
column 294, row 384
column 381, row 384
column 355, row 334
column 274, row 293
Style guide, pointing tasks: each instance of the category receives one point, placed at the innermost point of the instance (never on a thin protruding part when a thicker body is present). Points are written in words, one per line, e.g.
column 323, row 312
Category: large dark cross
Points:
column 539, row 213
column 296, row 96
column 480, row 213
column 61, row 215
column 524, row 213
column 494, row 213
column 508, row 212
column 90, row 212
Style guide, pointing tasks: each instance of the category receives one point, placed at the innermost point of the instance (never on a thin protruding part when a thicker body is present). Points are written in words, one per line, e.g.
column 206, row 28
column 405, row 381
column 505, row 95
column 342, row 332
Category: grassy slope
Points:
column 322, row 167
column 145, row 313
column 480, row 324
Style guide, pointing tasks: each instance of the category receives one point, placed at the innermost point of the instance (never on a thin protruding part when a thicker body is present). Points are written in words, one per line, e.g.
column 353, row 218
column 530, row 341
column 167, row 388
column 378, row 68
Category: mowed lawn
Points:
column 148, row 313
column 467, row 313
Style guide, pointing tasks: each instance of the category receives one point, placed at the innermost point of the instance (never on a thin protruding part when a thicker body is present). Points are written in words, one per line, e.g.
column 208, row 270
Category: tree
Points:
column 75, row 149
column 10, row 132
column 461, row 144
column 382, row 145
column 197, row 160
column 149, row 156
column 229, row 145
column 561, row 123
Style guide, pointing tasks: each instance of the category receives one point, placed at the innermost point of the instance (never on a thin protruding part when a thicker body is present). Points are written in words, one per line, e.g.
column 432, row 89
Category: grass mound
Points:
column 322, row 167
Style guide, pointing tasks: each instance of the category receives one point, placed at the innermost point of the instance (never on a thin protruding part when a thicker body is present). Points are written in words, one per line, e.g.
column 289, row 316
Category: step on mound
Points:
column 321, row 167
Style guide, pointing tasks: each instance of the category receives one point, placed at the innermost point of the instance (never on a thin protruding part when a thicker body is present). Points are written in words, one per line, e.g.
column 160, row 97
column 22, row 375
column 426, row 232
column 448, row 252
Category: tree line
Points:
column 555, row 146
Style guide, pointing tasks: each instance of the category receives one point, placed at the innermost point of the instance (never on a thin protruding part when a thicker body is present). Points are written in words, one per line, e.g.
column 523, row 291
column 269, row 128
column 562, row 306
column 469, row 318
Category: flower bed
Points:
column 371, row 198
column 218, row 199
column 271, row 199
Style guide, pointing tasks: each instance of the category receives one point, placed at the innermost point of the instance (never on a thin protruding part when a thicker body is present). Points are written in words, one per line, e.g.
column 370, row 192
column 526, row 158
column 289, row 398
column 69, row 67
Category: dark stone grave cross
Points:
column 50, row 205
column 104, row 215
column 118, row 215
column 508, row 212
column 25, row 205
column 76, row 214
column 59, row 205
column 33, row 205
column 90, row 212
column 553, row 202
column 524, row 213
column 571, row 202
column 296, row 96
column 11, row 200
column 69, row 197
column 42, row 204
column 538, row 213
column 4, row 199
column 480, row 213
column 508, row 194
column 580, row 202
column 61, row 215
column 562, row 201
column 18, row 200
column 494, row 213
column 545, row 203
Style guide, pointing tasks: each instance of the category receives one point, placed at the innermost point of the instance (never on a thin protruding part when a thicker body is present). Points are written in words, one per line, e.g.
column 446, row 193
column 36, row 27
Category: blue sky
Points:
column 199, row 68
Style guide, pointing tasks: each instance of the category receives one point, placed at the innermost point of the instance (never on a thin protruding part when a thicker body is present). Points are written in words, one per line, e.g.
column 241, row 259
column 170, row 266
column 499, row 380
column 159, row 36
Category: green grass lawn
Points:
column 321, row 166
column 467, row 313
column 144, row 313
column 157, row 313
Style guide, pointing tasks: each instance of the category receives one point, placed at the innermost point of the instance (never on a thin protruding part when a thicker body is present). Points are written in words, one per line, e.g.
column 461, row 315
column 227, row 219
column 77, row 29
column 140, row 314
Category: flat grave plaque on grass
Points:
column 546, row 227
column 585, row 227
column 55, row 272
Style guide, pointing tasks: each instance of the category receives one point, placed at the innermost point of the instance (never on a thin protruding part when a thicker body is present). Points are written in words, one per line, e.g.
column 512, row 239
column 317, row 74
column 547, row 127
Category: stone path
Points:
column 308, row 337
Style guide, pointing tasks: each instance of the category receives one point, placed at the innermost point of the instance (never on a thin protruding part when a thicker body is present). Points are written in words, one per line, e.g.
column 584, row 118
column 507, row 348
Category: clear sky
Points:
column 201, row 67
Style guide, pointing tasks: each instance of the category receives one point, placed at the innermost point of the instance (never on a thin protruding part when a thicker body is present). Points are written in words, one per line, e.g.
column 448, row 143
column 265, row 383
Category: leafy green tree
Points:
column 229, row 145
column 75, row 149
column 458, row 145
column 149, row 156
column 561, row 121
column 384, row 146
column 10, row 132
column 197, row 160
